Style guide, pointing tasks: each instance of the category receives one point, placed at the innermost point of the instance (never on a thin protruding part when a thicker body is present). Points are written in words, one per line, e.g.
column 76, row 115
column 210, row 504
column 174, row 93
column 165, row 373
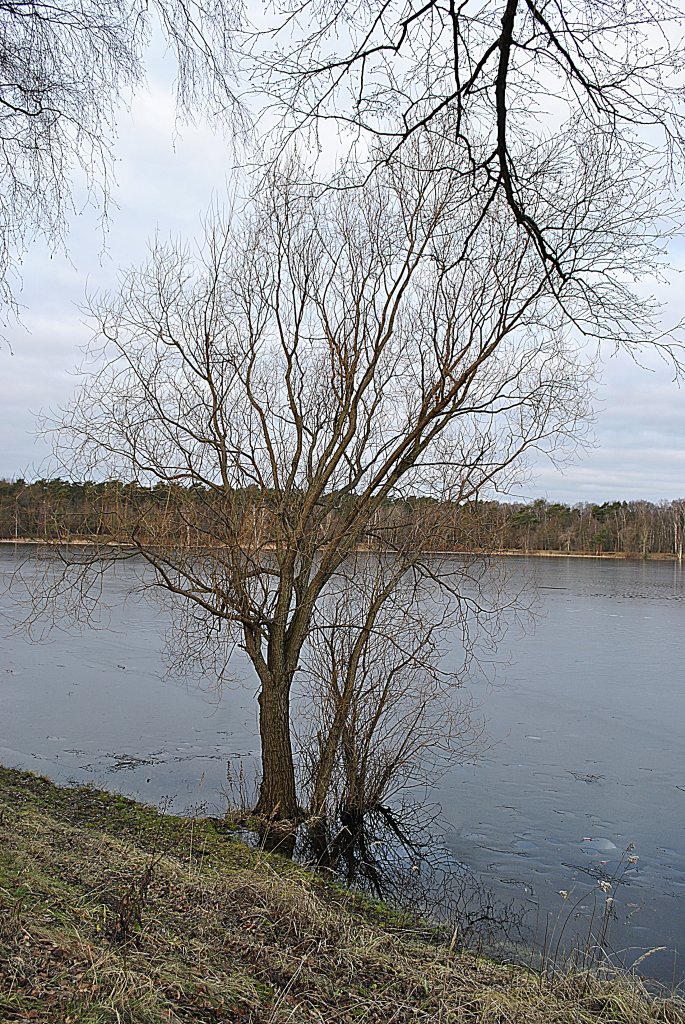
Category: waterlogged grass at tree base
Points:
column 113, row 912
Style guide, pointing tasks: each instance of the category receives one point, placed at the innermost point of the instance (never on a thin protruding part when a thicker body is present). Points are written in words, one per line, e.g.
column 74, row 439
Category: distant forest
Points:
column 58, row 511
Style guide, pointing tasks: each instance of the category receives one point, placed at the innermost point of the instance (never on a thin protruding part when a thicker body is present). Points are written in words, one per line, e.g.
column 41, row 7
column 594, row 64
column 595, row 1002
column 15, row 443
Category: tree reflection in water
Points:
column 394, row 855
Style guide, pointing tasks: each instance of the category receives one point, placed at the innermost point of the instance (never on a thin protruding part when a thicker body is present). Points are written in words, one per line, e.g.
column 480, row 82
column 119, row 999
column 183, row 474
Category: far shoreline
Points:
column 623, row 556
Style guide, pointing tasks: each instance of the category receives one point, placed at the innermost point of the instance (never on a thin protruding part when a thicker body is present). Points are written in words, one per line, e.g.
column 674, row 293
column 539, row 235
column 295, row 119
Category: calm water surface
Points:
column 585, row 730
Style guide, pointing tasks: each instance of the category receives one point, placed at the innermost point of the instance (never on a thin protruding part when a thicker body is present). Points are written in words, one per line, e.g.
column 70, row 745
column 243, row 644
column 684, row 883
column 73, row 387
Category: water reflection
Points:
column 394, row 855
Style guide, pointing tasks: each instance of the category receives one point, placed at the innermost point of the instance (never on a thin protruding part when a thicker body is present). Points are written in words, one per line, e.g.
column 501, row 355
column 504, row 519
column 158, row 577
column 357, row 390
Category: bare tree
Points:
column 677, row 509
column 531, row 94
column 64, row 69
column 320, row 354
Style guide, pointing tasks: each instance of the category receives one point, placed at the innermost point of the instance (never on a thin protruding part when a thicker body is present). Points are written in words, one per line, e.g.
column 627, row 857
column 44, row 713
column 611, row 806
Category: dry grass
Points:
column 111, row 912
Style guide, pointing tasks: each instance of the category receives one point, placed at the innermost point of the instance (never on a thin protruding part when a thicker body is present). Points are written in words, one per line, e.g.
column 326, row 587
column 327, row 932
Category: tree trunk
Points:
column 277, row 794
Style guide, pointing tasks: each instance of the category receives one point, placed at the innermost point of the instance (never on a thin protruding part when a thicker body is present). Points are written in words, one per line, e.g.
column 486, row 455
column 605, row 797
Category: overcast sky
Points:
column 165, row 182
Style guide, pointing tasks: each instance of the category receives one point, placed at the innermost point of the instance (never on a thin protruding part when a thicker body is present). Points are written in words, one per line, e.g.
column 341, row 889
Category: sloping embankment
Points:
column 113, row 912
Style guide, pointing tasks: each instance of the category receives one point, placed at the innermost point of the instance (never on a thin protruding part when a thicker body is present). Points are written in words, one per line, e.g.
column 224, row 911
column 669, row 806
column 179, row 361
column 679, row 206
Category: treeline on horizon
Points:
column 60, row 511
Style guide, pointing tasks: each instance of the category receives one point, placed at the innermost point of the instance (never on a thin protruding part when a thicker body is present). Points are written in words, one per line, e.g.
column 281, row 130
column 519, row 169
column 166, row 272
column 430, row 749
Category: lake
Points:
column 583, row 768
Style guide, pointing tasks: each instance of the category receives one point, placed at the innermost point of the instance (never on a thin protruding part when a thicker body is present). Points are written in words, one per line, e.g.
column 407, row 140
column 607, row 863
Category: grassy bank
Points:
column 112, row 912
